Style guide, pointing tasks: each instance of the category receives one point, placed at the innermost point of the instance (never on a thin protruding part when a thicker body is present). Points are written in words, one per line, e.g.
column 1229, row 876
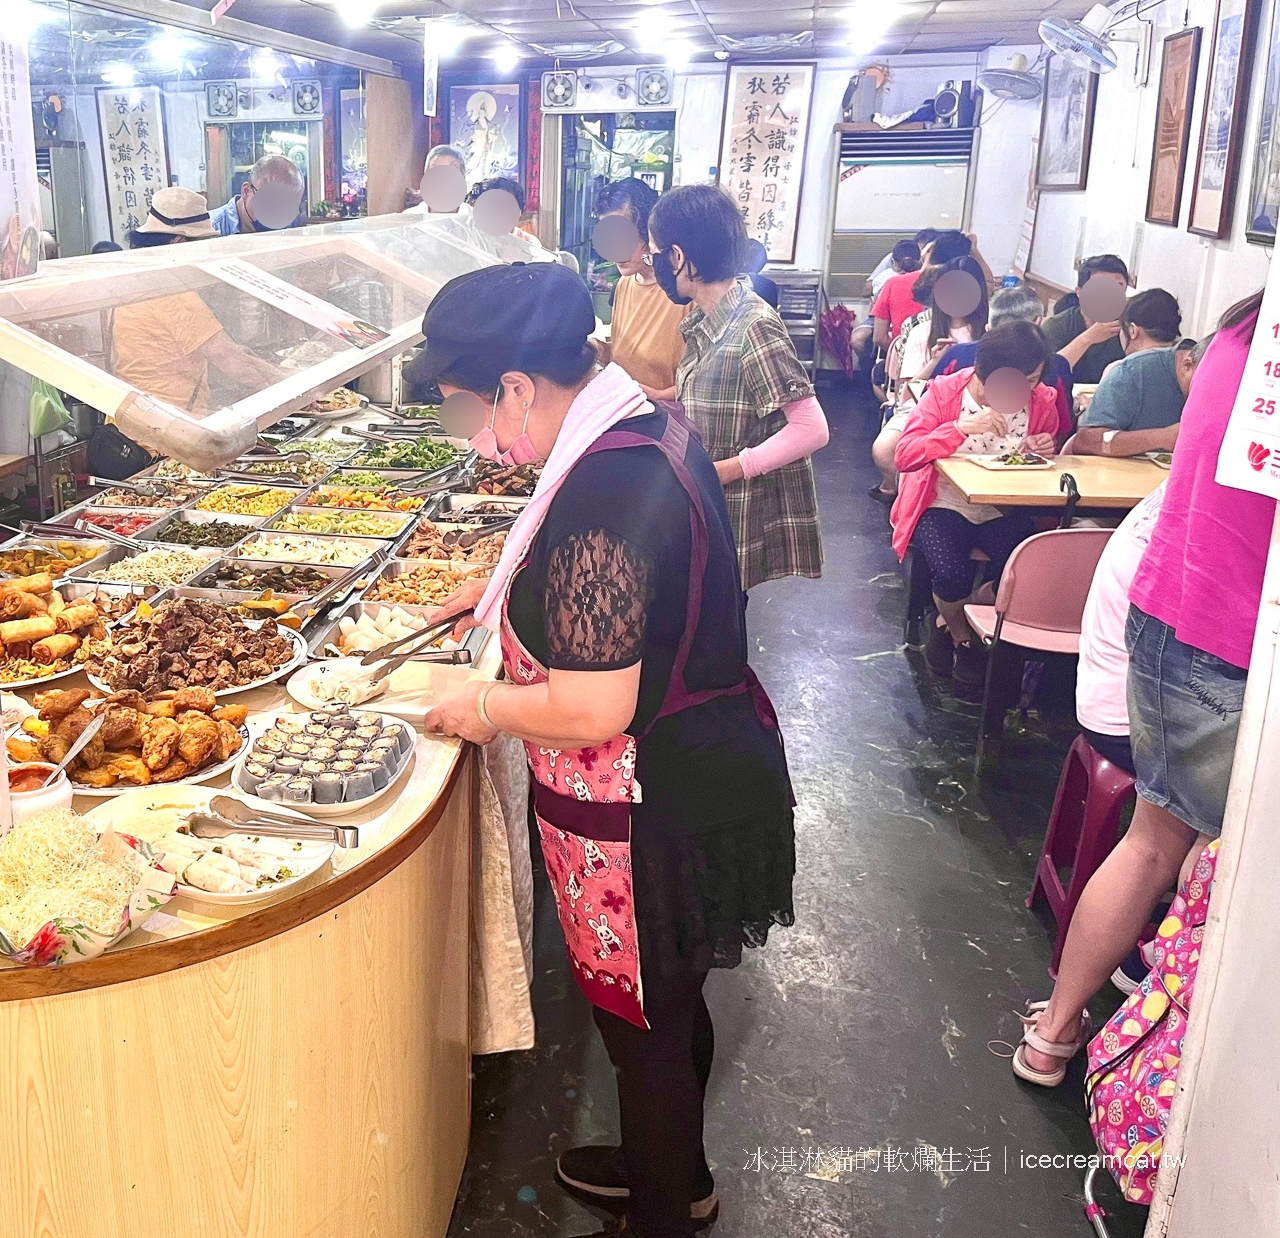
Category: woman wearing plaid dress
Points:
column 742, row 385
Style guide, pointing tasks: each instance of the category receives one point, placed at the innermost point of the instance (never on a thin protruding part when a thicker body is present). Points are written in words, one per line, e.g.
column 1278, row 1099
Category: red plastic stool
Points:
column 1082, row 830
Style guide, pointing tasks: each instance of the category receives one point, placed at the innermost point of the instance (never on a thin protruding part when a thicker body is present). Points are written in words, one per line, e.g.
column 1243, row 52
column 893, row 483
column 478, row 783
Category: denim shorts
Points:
column 1184, row 714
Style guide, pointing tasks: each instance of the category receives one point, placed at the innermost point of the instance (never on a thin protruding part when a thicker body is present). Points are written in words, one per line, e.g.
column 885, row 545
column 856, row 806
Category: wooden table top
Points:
column 1103, row 481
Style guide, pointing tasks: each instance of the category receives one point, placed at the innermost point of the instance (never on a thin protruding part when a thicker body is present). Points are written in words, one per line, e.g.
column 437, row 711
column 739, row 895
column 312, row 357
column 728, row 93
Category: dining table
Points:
column 1099, row 481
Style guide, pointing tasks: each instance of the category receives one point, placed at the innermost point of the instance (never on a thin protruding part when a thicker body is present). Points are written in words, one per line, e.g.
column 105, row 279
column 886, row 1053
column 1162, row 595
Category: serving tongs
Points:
column 318, row 601
column 228, row 815
column 464, row 541
column 428, row 635
column 63, row 532
column 142, row 488
column 97, row 530
column 370, row 437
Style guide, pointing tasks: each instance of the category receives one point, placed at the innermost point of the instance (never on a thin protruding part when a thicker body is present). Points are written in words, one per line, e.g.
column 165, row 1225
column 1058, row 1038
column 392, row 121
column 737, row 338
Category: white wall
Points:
column 1205, row 275
column 1005, row 144
column 1004, row 149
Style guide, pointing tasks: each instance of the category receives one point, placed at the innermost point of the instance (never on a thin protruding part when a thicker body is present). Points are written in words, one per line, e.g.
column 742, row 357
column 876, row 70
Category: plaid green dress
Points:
column 738, row 372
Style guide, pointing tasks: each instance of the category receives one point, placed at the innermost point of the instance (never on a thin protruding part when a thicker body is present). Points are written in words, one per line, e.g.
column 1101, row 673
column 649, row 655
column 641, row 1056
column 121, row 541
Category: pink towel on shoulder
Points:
column 607, row 399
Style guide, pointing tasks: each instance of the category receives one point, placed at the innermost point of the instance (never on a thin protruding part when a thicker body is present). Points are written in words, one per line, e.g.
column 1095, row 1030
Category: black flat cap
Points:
column 508, row 314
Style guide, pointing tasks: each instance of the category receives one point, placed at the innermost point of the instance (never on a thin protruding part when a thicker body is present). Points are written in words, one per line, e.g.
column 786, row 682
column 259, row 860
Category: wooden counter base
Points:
column 315, row 1084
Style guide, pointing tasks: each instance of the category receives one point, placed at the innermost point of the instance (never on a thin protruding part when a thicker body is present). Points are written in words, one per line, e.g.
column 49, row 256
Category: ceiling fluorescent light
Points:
column 679, row 52
column 447, row 36
column 118, row 75
column 506, row 58
column 356, row 12
column 169, row 50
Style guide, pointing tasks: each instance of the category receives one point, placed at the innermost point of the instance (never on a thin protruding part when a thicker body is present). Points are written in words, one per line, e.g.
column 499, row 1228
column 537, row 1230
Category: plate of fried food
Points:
column 194, row 642
column 42, row 635
column 182, row 736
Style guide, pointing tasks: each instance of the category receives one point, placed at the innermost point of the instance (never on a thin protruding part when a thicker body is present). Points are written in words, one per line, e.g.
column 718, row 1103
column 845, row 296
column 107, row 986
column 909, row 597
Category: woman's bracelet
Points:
column 480, row 705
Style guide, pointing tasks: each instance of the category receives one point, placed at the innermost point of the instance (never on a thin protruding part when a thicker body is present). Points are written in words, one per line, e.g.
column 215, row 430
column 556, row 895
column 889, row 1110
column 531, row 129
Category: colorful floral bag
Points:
column 1134, row 1059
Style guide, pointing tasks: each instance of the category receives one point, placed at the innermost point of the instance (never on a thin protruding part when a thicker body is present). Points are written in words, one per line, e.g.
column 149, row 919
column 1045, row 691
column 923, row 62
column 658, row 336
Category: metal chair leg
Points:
column 986, row 703
column 1092, row 1209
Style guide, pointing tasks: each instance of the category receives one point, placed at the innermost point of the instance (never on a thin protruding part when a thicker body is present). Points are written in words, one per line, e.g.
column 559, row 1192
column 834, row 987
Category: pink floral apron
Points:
column 583, row 798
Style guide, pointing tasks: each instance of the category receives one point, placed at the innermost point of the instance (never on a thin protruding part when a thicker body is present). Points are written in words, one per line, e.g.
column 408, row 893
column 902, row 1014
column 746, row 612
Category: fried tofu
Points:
column 200, row 699
column 234, row 714
column 129, row 769
column 23, row 749
column 177, row 768
column 160, row 742
column 198, row 739
column 98, row 778
column 58, row 702
column 229, row 741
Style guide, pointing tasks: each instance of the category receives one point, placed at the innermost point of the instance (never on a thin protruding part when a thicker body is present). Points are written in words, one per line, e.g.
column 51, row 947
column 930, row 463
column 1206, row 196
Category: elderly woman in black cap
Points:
column 620, row 611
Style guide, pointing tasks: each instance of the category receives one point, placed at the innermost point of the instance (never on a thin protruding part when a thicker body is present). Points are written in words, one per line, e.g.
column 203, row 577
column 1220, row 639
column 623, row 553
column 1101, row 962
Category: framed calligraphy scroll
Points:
column 134, row 156
column 762, row 141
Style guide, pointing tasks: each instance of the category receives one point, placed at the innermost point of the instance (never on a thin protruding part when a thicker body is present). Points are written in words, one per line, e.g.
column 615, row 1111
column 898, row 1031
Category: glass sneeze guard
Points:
column 170, row 345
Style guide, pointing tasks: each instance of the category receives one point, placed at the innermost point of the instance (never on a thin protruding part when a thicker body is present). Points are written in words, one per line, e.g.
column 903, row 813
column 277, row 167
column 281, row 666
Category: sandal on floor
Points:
column 1065, row 1050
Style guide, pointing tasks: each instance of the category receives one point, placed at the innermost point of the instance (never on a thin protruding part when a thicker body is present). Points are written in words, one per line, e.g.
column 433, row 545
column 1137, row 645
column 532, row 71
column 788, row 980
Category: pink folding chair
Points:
column 1041, row 601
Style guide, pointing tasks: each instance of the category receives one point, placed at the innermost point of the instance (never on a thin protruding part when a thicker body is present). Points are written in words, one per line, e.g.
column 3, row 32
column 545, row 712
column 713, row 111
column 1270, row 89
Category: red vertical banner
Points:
column 533, row 158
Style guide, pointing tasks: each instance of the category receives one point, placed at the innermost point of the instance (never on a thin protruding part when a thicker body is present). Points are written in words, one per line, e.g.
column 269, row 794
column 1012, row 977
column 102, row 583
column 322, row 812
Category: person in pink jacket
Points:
column 931, row 515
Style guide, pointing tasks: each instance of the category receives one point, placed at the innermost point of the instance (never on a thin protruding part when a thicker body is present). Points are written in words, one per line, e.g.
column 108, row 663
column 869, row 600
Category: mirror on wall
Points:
column 123, row 106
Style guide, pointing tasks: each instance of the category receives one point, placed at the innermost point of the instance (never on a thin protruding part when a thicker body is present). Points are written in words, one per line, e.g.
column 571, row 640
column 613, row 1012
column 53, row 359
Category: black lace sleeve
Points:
column 598, row 593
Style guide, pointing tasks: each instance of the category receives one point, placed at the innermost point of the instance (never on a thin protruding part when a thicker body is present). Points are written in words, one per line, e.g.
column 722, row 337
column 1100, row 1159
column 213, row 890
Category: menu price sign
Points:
column 762, row 141
column 133, row 150
column 1250, row 455
column 19, row 196
column 295, row 302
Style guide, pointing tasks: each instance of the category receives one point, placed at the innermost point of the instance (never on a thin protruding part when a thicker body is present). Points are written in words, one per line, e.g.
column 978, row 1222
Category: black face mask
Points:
column 666, row 277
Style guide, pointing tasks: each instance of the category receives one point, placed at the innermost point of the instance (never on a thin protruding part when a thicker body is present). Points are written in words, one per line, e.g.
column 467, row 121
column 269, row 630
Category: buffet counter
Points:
column 302, row 1068
column 296, row 1066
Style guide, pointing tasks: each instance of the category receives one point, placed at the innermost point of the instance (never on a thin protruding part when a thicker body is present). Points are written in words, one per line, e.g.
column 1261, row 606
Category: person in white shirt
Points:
column 1102, row 679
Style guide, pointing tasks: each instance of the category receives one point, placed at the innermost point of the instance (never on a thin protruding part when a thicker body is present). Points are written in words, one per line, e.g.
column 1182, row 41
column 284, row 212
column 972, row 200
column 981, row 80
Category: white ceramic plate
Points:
column 201, row 775
column 411, row 704
column 13, row 684
column 299, row 657
column 338, row 413
column 151, row 812
column 993, row 462
column 324, row 810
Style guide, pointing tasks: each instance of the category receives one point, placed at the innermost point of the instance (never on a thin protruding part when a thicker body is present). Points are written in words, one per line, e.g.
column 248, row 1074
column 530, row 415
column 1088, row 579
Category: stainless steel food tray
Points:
column 407, row 522
column 371, row 545
column 467, row 651
column 208, row 578
column 117, row 553
column 189, row 516
column 22, row 540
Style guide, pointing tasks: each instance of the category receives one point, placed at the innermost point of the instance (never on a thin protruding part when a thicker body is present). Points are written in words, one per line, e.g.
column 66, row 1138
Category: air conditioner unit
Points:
column 655, row 87
column 559, row 90
column 307, row 99
column 955, row 104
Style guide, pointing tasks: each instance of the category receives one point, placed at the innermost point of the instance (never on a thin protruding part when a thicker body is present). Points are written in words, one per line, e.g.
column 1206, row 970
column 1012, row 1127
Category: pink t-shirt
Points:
column 1202, row 573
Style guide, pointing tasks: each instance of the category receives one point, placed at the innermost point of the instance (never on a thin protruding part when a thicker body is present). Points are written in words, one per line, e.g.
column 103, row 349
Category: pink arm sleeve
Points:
column 804, row 433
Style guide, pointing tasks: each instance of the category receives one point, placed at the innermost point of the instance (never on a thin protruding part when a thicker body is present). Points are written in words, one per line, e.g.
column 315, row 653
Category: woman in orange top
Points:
column 645, row 337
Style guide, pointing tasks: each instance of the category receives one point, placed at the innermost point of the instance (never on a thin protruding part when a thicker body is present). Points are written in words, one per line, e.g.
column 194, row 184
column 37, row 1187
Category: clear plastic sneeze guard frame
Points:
column 108, row 329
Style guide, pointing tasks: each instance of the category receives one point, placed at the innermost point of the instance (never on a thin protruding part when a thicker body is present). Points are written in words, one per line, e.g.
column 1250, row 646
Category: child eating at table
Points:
column 997, row 406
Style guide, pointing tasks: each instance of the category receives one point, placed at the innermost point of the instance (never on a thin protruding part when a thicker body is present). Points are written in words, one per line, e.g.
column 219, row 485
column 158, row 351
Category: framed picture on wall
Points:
column 1264, row 193
column 1066, row 125
column 763, row 133
column 1213, row 191
column 1173, row 126
column 484, row 123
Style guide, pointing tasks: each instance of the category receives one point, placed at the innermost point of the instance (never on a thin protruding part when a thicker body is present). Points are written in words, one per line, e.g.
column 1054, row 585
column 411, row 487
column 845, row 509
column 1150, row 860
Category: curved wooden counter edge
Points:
column 21, row 983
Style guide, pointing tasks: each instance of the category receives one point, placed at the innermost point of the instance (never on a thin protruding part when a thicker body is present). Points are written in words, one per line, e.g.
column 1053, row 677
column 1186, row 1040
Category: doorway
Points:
column 234, row 148
column 609, row 146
